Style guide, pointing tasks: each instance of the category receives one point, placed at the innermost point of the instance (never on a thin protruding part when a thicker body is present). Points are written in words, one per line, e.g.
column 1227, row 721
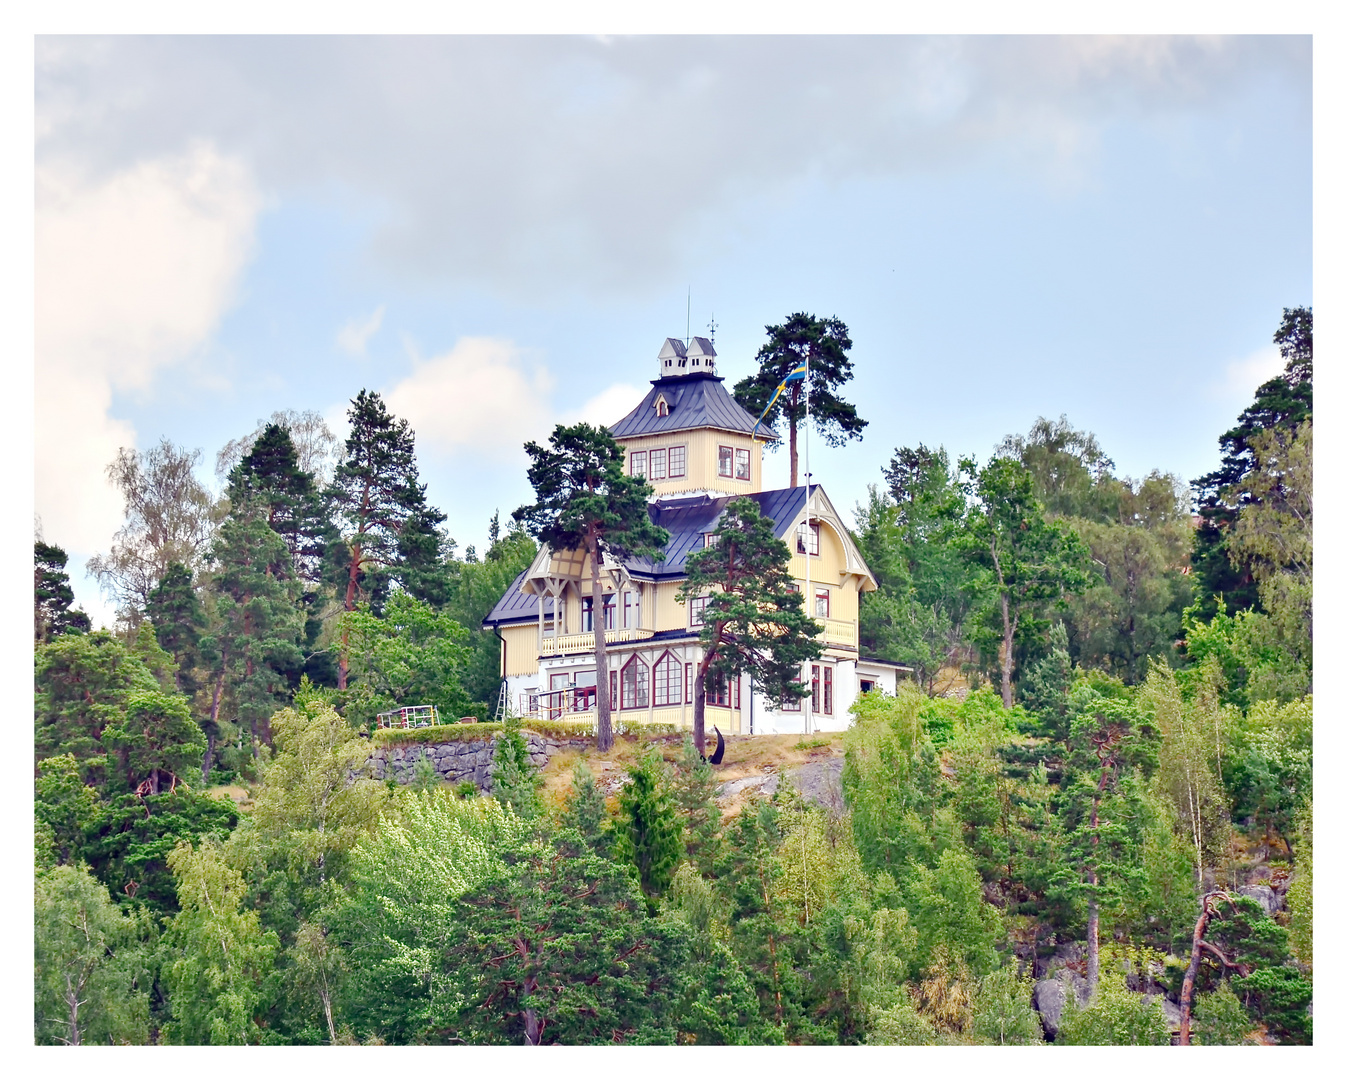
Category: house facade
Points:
column 695, row 444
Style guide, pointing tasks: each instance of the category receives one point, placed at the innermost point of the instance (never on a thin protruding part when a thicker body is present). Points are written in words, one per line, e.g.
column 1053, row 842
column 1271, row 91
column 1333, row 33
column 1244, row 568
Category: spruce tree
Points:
column 257, row 620
column 270, row 477
column 648, row 832
column 514, row 779
column 585, row 812
column 174, row 610
column 694, row 790
column 1284, row 401
column 376, row 492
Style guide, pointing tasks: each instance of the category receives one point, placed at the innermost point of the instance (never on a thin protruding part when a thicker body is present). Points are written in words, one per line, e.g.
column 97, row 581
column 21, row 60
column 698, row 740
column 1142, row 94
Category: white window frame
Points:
column 725, row 462
column 743, row 464
column 682, row 453
column 660, row 472
column 808, row 528
column 696, row 606
column 638, row 667
column 666, row 688
column 825, row 596
column 637, row 463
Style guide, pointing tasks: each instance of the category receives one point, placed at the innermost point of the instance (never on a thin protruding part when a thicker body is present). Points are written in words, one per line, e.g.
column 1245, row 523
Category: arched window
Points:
column 668, row 680
column 635, row 684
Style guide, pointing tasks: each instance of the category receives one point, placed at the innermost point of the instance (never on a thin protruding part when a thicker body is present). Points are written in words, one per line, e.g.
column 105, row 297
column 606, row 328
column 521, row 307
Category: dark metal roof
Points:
column 696, row 400
column 688, row 521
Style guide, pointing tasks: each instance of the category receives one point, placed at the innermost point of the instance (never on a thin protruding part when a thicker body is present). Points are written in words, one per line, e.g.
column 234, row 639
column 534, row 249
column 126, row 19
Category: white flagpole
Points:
column 808, row 535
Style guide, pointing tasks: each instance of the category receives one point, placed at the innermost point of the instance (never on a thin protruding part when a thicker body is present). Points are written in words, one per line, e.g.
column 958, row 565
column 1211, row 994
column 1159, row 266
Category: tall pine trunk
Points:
column 602, row 692
column 1007, row 653
column 699, row 706
column 343, row 661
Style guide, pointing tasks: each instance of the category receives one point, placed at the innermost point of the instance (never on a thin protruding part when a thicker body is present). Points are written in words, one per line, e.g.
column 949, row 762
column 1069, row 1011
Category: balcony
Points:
column 571, row 644
column 839, row 632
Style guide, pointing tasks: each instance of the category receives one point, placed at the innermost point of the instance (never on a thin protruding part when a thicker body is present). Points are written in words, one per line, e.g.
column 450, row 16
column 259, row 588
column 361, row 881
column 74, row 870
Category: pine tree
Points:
column 753, row 622
column 825, row 343
column 586, row 502
column 52, row 596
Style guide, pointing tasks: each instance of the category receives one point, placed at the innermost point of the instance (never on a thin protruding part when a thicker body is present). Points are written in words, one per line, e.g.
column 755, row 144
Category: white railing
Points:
column 584, row 643
column 841, row 631
column 409, row 716
column 556, row 704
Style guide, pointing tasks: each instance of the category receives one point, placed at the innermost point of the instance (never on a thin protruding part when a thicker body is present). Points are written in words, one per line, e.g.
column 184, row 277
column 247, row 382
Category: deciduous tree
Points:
column 1033, row 564
column 170, row 517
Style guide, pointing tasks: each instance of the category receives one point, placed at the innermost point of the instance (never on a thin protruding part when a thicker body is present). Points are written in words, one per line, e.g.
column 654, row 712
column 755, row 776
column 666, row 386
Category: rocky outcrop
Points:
column 819, row 782
column 461, row 759
column 1269, row 899
column 1050, row 998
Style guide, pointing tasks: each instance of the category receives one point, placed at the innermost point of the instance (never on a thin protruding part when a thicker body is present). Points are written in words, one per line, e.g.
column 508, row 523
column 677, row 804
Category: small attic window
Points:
column 661, row 406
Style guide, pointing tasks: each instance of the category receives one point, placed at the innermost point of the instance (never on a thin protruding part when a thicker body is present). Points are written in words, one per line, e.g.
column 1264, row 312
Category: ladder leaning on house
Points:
column 503, row 701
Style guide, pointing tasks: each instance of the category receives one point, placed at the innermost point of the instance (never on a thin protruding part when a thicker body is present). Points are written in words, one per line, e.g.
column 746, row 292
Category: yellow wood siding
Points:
column 703, row 461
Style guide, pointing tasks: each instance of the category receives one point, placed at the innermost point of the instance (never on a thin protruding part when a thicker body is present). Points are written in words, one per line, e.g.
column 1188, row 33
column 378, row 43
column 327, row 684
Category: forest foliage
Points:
column 1099, row 776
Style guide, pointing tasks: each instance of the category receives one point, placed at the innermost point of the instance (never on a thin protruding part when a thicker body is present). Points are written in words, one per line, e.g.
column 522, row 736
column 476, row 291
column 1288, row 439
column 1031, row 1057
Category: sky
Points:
column 497, row 234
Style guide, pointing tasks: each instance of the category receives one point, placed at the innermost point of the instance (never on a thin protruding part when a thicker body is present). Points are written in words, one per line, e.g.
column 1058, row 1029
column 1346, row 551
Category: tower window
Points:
column 678, row 461
column 727, row 461
column 661, row 406
column 741, row 464
column 658, row 467
column 637, row 462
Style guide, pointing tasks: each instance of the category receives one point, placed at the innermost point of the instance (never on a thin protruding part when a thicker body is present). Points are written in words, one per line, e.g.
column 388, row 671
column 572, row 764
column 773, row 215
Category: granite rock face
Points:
column 461, row 759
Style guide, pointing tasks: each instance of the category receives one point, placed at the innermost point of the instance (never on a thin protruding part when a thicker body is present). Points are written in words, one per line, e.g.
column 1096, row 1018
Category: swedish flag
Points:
column 795, row 376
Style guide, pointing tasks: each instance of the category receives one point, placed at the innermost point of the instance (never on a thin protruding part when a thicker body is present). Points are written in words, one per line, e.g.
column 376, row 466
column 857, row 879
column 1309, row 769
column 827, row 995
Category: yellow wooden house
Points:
column 695, row 444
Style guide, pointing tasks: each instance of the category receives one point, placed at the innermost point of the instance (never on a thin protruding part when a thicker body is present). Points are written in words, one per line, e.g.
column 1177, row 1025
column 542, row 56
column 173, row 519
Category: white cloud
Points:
column 479, row 397
column 1242, row 377
column 132, row 274
column 355, row 335
column 596, row 161
column 607, row 408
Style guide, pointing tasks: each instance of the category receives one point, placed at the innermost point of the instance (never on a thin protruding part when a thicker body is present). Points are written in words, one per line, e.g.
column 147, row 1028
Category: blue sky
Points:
column 499, row 233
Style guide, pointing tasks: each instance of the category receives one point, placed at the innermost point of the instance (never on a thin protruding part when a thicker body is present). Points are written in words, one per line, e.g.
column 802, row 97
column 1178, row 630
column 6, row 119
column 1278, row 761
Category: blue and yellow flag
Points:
column 795, row 376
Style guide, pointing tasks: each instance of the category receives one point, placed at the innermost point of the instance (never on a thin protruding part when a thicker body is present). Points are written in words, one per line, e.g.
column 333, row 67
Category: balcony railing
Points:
column 556, row 704
column 567, row 644
column 839, row 631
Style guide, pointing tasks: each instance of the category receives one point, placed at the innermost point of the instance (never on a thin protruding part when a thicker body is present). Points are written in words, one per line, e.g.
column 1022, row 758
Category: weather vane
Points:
column 712, row 327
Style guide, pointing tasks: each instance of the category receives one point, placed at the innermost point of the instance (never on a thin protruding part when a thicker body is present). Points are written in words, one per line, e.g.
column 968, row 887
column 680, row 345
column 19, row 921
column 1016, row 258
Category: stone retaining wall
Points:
column 462, row 759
